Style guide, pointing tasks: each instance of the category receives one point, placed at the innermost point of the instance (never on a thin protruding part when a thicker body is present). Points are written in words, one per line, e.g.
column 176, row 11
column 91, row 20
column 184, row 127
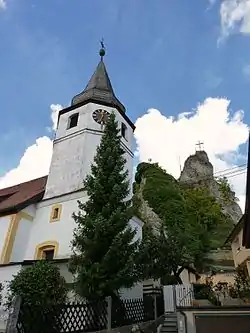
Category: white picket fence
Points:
column 179, row 295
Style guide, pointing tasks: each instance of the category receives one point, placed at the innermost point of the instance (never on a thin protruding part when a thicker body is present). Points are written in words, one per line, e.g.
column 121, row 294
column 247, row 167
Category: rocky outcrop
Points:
column 197, row 168
column 198, row 171
column 159, row 196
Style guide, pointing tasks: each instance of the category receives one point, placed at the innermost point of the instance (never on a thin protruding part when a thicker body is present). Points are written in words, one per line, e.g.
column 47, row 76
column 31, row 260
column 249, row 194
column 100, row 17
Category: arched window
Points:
column 47, row 250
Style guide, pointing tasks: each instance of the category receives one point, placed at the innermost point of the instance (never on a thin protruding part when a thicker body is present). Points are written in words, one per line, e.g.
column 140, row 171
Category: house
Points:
column 36, row 216
column 241, row 254
column 239, row 237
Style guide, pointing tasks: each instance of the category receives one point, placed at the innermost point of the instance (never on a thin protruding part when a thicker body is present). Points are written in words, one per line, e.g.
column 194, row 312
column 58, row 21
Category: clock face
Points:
column 100, row 116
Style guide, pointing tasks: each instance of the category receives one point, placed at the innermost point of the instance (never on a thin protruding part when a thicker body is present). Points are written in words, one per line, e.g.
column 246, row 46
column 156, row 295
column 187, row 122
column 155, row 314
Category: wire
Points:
column 229, row 169
column 237, row 174
column 236, row 167
column 231, row 174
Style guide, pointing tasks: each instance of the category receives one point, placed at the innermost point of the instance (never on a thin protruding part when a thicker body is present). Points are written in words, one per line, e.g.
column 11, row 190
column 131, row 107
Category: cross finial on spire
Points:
column 102, row 49
column 200, row 145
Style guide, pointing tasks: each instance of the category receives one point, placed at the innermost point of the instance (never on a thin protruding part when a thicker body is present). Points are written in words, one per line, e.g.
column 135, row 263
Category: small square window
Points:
column 124, row 131
column 73, row 120
column 48, row 254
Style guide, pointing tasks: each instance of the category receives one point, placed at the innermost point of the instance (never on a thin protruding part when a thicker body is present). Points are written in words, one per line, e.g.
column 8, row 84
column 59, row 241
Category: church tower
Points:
column 79, row 131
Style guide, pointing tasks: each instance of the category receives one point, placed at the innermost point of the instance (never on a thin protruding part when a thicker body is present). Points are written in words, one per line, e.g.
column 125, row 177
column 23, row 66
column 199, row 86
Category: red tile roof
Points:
column 17, row 197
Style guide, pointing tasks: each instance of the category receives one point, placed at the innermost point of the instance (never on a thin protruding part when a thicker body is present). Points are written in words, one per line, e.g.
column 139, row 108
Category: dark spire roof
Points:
column 246, row 216
column 99, row 88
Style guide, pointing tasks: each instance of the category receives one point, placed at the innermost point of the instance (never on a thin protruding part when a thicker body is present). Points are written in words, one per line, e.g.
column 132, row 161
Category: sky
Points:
column 181, row 68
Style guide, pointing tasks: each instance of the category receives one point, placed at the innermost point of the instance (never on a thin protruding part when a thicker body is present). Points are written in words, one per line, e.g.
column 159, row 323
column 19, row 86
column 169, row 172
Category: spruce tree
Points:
column 104, row 249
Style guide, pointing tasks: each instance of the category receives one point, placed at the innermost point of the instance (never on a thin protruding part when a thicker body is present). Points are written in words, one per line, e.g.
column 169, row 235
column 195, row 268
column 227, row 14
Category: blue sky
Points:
column 160, row 54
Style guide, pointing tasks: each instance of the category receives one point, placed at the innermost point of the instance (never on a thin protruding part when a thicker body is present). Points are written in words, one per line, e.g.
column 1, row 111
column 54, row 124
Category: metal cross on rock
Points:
column 200, row 145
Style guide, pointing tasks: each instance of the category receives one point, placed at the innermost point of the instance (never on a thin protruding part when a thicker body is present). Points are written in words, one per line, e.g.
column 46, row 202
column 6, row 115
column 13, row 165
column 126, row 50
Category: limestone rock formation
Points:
column 197, row 167
column 157, row 192
column 198, row 171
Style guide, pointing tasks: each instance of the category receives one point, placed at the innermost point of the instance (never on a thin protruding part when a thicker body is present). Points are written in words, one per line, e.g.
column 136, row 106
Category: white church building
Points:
column 36, row 216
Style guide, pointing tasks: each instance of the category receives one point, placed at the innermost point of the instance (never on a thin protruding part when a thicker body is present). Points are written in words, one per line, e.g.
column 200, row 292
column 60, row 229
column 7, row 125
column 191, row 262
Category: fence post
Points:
column 13, row 316
column 174, row 297
column 109, row 312
column 155, row 306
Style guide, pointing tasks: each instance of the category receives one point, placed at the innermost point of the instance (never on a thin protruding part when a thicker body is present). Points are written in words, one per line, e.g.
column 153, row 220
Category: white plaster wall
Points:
column 21, row 240
column 126, row 293
column 4, row 225
column 61, row 231
column 7, row 273
column 75, row 148
column 31, row 210
column 65, row 272
column 135, row 292
column 66, row 165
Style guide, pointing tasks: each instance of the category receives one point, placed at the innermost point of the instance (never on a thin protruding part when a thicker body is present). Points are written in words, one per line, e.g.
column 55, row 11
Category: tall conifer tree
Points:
column 104, row 248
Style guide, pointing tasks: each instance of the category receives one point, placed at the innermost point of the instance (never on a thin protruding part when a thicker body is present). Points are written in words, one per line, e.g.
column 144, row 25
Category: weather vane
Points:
column 102, row 50
column 102, row 43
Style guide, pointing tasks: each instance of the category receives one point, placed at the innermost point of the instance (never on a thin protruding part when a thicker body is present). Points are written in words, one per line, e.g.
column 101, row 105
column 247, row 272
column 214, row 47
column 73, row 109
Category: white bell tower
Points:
column 79, row 130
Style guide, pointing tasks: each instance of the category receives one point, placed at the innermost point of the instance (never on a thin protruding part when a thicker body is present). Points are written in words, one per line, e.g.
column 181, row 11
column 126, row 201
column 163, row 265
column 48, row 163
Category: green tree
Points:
column 104, row 250
column 154, row 259
column 241, row 287
column 226, row 190
column 203, row 219
column 39, row 285
column 207, row 224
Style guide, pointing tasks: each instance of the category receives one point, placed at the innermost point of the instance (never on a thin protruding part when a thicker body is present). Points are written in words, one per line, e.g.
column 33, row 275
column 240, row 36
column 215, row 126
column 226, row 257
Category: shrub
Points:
column 39, row 284
column 241, row 287
column 42, row 289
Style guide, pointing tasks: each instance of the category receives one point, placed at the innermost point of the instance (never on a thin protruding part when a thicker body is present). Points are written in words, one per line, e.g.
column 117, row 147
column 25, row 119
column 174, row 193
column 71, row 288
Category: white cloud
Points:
column 33, row 164
column 173, row 140
column 55, row 108
column 3, row 4
column 35, row 161
column 235, row 16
